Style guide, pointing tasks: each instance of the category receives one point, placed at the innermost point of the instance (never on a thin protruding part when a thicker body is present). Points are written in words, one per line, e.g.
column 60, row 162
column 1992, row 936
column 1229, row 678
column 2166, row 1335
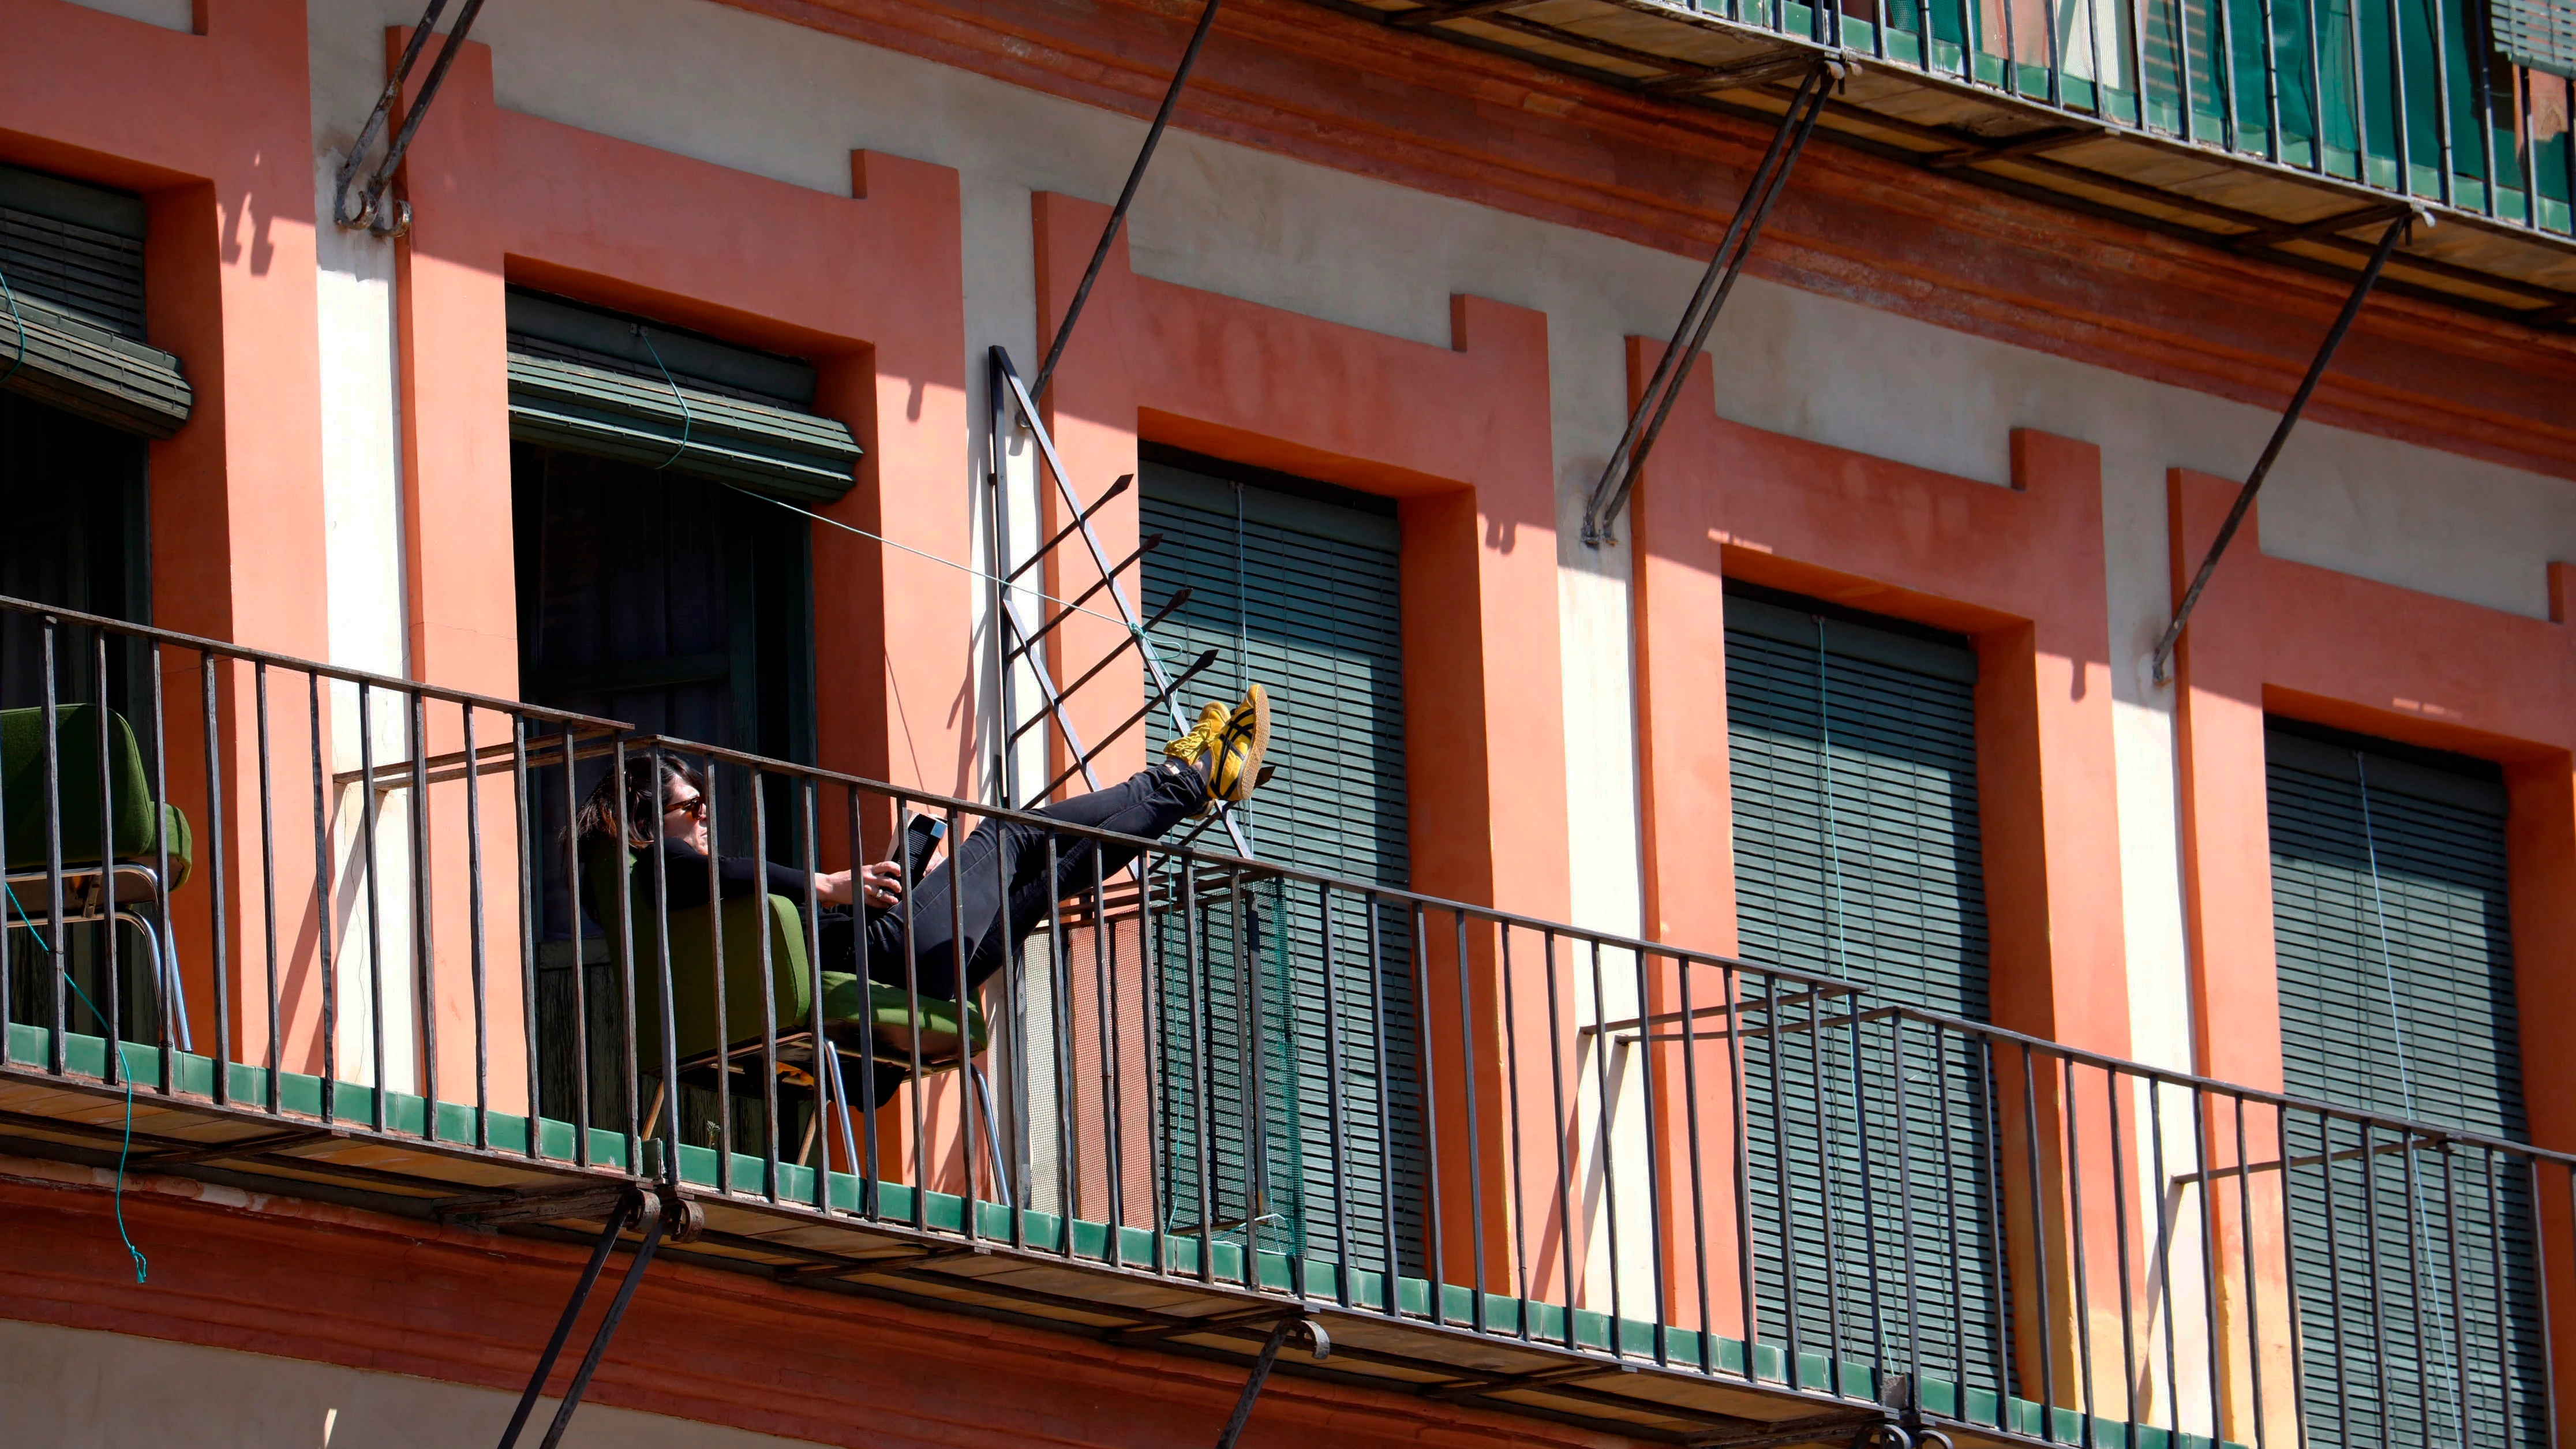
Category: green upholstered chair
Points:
column 852, row 1005
column 136, row 836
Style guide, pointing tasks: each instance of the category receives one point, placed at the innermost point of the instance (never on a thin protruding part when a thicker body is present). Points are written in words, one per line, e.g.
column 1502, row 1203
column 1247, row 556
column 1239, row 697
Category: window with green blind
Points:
column 1296, row 590
column 72, row 327
column 1852, row 746
column 2419, row 1308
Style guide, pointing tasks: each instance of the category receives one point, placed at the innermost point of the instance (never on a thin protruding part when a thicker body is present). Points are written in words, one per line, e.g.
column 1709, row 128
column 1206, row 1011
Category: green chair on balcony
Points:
column 853, row 1008
column 128, row 864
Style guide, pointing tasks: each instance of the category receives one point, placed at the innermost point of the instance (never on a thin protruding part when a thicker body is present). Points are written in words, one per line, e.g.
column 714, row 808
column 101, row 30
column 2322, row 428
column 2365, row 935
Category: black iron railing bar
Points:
column 2078, row 1229
column 2216, row 1341
column 2271, row 84
column 1602, row 1149
column 167, row 968
column 622, row 952
column 275, row 1062
column 1905, row 1214
column 57, row 948
column 1561, row 1127
column 1435, row 1261
column 577, row 946
column 112, row 975
column 667, row 1027
column 710, row 788
column 1749, row 1303
column 2334, row 1280
column 2444, row 184
column 424, row 970
column 2540, row 1282
column 826, row 1069
column 368, row 862
column 1154, row 1040
column 903, row 806
column 1336, row 1105
column 2039, row 1243
column 1060, row 1047
column 1471, row 1089
column 2120, row 1189
column 323, row 906
column 1831, row 1209
column 1706, row 1351
column 1954, row 1292
column 2164, row 1255
column 1867, row 1162
column 1792, row 1317
column 474, row 945
column 523, row 801
column 1202, row 1077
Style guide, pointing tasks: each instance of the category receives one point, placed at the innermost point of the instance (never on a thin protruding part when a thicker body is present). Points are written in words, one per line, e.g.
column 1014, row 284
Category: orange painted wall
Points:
column 1459, row 436
column 332, row 1285
column 2274, row 636
column 212, row 128
column 2020, row 570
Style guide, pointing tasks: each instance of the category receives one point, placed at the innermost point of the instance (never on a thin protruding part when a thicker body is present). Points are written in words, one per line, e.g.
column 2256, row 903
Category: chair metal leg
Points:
column 164, row 949
column 992, row 1134
column 841, row 1105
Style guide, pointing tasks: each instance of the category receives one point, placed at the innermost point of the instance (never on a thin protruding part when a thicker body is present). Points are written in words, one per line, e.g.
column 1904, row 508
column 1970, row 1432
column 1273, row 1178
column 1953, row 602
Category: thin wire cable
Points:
column 17, row 322
column 688, row 420
column 2405, row 1079
column 1841, row 952
column 107, row 1030
column 969, row 569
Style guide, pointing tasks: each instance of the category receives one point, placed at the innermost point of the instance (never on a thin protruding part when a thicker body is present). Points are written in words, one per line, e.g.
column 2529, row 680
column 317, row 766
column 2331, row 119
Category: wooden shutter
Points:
column 1880, row 882
column 72, row 323
column 1300, row 595
column 2383, row 1313
column 593, row 383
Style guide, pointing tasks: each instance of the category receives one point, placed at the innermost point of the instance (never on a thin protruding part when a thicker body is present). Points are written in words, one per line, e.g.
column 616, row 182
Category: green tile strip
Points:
column 1043, row 1232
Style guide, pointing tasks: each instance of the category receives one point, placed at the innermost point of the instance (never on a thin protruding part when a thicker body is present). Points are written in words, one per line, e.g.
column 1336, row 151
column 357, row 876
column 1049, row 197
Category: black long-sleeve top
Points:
column 684, row 874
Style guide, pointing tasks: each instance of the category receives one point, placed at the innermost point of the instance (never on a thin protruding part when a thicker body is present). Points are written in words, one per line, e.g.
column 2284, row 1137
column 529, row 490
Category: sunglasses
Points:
column 695, row 809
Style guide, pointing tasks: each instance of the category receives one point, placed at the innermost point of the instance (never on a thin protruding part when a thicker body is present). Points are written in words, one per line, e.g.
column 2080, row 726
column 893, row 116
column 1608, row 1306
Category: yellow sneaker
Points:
column 1202, row 736
column 1245, row 734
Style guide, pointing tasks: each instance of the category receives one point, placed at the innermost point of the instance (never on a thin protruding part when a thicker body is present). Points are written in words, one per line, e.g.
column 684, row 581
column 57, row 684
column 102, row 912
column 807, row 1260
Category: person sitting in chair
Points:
column 998, row 876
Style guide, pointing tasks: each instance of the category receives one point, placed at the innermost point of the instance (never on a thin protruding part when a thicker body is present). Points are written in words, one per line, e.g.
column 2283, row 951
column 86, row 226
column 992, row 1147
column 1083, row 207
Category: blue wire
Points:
column 20, row 323
column 686, row 421
column 107, row 1029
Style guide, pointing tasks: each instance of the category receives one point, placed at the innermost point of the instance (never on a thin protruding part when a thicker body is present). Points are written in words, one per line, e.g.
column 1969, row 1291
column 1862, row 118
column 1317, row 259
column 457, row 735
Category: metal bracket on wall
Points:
column 372, row 211
column 648, row 1214
column 1126, row 197
column 2398, row 231
column 1318, row 1343
column 1619, row 475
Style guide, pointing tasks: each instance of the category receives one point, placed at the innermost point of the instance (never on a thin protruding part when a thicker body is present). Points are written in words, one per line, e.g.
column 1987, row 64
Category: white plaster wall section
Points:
column 179, row 15
column 362, row 513
column 72, row 1386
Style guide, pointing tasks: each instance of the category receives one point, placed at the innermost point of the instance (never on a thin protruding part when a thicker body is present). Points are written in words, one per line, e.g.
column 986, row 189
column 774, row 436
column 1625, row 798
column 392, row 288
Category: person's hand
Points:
column 883, row 883
column 832, row 887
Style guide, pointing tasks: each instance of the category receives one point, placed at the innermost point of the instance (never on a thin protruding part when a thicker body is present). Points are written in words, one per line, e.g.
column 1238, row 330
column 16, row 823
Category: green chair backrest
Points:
column 129, row 793
column 882, row 1008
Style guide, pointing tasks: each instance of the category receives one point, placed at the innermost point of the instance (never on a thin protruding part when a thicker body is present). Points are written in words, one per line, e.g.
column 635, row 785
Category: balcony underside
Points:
column 2057, row 138
column 918, row 1249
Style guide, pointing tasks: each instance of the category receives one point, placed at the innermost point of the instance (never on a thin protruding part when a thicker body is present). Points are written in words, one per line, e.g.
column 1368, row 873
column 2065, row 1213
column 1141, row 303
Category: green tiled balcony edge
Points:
column 1228, row 1263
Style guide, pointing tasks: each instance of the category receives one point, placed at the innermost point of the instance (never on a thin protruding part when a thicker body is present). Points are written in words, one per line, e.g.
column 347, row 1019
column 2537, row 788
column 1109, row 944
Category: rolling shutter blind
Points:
column 71, row 326
column 2385, row 1307
column 1299, row 595
column 593, row 383
column 1879, row 881
column 2538, row 33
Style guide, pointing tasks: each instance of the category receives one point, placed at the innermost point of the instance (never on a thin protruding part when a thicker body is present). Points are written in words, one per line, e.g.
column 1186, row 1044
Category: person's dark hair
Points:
column 645, row 795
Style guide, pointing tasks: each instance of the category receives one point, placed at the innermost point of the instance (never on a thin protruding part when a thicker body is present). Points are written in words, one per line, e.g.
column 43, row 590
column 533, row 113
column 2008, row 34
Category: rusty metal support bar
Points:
column 1126, row 198
column 1318, row 1342
column 1655, row 404
column 2397, row 230
column 644, row 1210
column 370, row 211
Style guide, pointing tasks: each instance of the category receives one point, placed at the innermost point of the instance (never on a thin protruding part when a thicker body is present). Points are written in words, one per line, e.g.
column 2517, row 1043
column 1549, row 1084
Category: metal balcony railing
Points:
column 1502, row 1160
column 2290, row 129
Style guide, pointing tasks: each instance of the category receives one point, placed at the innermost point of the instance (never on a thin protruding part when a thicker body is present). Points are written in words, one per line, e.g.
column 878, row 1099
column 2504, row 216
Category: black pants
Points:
column 958, row 910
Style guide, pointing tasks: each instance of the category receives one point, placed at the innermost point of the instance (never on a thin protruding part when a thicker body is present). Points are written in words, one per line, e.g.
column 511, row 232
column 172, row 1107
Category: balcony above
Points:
column 2122, row 109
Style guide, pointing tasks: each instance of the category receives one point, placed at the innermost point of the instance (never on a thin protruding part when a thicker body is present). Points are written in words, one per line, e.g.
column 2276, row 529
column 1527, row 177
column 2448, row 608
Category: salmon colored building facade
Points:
column 1783, row 962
